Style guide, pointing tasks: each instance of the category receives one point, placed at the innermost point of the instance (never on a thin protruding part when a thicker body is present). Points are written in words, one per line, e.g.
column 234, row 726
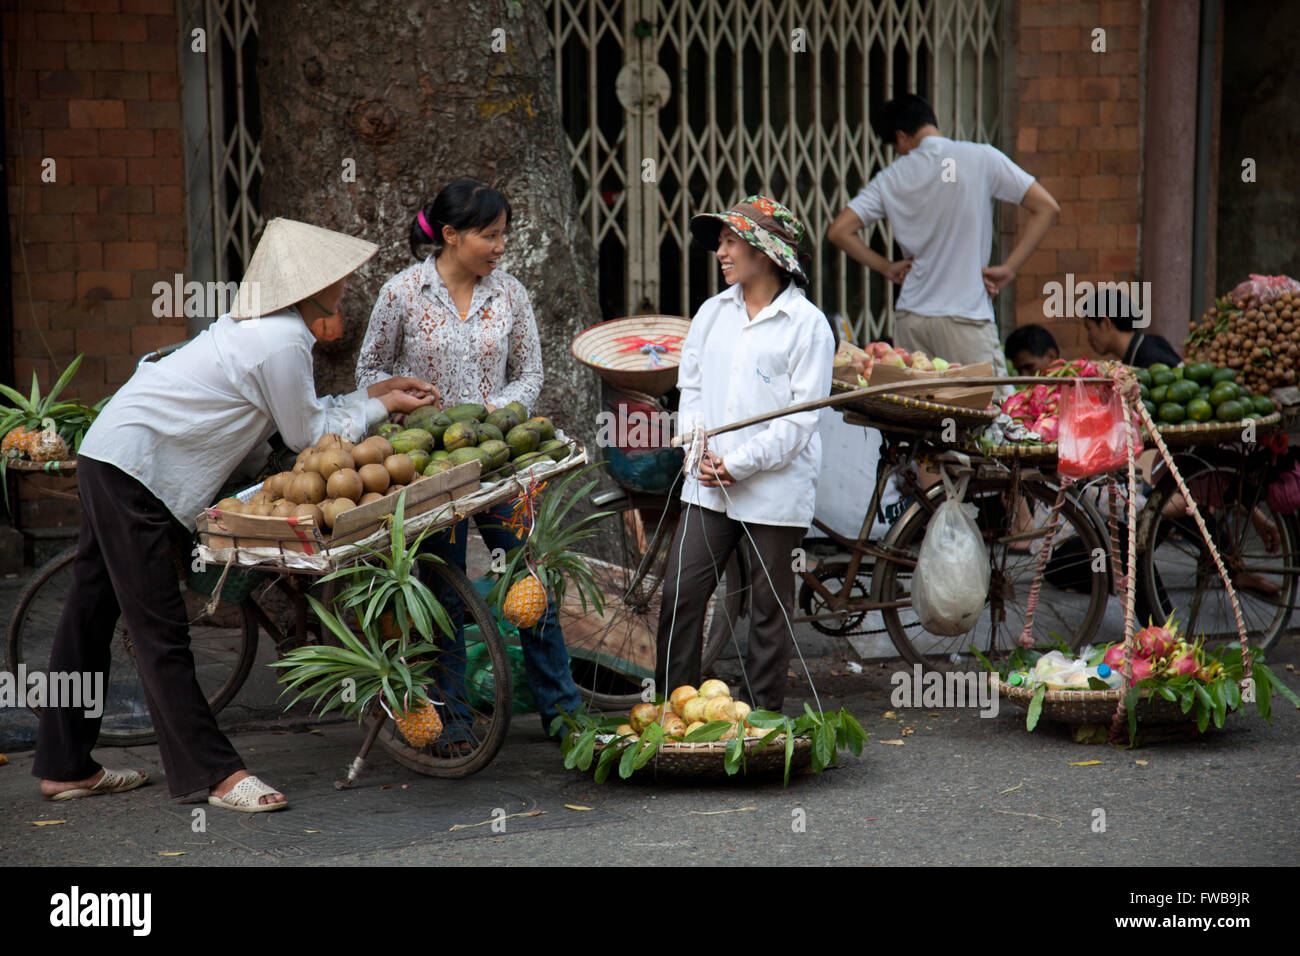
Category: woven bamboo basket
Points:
column 886, row 407
column 1076, row 707
column 610, row 349
column 679, row 759
column 1214, row 433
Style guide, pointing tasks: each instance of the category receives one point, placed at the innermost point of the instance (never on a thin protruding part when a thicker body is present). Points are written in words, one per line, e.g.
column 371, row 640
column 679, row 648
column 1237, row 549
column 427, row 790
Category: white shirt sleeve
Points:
column 689, row 377
column 869, row 203
column 283, row 385
column 777, row 445
column 1007, row 181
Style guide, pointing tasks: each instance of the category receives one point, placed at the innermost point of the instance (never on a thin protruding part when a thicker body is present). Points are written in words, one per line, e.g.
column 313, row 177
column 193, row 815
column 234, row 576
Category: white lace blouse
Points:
column 493, row 356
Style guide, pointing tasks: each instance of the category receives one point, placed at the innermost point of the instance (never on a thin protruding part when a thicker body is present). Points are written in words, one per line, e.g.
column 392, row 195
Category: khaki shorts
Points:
column 952, row 337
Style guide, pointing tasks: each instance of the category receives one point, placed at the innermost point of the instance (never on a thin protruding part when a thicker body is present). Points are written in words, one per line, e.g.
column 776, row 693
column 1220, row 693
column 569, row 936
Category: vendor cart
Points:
column 242, row 584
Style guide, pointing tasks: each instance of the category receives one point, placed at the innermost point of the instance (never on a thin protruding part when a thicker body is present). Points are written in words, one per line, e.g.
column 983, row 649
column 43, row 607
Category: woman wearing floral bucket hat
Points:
column 757, row 347
column 155, row 457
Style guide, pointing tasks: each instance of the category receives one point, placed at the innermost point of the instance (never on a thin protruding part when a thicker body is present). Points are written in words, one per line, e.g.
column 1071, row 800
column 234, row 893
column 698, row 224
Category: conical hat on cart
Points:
column 640, row 352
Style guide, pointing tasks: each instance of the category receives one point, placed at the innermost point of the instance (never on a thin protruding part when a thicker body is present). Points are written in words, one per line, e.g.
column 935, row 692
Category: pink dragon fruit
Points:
column 1048, row 427
column 1017, row 406
column 1141, row 670
column 1041, row 397
column 1157, row 640
column 1114, row 658
column 1184, row 663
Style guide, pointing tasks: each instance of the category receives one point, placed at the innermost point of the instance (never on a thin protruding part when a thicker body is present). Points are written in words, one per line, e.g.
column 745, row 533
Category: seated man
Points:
column 1031, row 348
column 1108, row 320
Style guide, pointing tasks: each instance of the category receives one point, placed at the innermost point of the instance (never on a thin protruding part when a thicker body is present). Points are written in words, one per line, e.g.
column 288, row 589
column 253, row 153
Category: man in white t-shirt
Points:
column 938, row 197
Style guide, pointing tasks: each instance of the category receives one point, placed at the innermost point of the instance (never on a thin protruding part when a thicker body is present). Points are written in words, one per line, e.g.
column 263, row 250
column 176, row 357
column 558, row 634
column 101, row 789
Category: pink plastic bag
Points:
column 1093, row 439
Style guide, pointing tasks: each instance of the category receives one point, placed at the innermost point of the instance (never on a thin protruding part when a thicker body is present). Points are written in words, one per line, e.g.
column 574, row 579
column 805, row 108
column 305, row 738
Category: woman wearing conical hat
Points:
column 759, row 346
column 156, row 456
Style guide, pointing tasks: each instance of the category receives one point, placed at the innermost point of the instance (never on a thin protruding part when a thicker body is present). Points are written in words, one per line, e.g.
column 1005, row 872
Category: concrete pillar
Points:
column 1168, row 163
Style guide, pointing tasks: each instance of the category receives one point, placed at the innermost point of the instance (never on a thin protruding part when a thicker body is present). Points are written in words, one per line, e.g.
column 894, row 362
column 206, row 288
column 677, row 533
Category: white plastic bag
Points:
column 951, row 583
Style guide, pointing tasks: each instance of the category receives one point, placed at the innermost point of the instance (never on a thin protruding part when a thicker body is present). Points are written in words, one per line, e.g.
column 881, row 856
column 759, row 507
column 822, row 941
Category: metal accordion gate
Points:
column 672, row 107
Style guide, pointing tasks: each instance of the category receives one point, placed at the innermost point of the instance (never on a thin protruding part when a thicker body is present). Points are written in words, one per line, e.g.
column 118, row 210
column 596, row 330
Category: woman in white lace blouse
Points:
column 469, row 328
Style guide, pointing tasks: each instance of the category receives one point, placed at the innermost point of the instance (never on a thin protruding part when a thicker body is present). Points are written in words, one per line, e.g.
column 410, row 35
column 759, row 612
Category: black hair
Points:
column 462, row 204
column 907, row 112
column 1033, row 339
column 1109, row 303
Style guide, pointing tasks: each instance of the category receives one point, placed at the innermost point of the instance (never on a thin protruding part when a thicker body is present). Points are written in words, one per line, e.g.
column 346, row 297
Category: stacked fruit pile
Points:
column 1197, row 393
column 882, row 353
column 503, row 441
column 1254, row 330
column 688, row 709
column 329, row 478
column 1037, row 406
column 43, row 428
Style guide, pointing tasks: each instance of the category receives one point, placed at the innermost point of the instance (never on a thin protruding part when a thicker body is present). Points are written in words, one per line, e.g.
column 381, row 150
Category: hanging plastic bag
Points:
column 950, row 585
column 1092, row 439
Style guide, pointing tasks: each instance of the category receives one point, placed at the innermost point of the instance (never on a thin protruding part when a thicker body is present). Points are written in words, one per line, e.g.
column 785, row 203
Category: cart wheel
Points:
column 224, row 645
column 1071, row 602
column 1177, row 572
column 614, row 653
column 487, row 720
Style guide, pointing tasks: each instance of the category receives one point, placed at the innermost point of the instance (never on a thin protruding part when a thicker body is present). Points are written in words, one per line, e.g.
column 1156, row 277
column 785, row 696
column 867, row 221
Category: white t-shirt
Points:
column 182, row 424
column 734, row 367
column 939, row 198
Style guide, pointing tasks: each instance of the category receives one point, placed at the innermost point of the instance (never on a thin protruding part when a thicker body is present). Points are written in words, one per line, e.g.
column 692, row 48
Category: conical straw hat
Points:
column 293, row 261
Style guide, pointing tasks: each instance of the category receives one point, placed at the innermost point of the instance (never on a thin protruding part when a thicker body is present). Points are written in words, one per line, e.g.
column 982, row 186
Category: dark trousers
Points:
column 701, row 547
column 125, row 566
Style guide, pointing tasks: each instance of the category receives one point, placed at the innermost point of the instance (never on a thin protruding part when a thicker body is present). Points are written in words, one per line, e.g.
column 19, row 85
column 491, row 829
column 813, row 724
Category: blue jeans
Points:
column 546, row 659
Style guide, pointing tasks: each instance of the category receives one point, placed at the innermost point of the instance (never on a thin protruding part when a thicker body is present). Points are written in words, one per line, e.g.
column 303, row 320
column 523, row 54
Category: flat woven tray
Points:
column 1215, row 433
column 886, row 407
column 706, row 759
column 1077, row 707
column 49, row 467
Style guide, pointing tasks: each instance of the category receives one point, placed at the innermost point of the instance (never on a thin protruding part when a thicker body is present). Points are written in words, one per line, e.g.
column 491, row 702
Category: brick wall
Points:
column 92, row 85
column 1076, row 122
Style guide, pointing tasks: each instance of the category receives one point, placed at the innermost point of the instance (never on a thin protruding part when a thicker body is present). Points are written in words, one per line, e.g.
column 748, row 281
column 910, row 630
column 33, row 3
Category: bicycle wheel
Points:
column 1071, row 601
column 613, row 653
column 224, row 645
column 485, row 693
column 1260, row 550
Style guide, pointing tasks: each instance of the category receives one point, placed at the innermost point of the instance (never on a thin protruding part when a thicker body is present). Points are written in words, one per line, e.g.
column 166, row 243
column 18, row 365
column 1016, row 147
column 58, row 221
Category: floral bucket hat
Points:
column 764, row 223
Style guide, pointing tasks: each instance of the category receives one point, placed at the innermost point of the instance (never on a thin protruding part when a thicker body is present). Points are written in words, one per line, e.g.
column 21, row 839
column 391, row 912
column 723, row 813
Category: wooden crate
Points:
column 220, row 531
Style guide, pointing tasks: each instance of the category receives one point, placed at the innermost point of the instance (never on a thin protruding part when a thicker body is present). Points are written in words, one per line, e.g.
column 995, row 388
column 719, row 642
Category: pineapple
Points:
column 387, row 665
column 16, row 442
column 525, row 602
column 546, row 559
column 421, row 725
column 46, row 446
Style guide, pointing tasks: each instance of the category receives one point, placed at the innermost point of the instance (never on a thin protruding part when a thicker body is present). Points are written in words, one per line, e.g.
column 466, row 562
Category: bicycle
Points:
column 225, row 639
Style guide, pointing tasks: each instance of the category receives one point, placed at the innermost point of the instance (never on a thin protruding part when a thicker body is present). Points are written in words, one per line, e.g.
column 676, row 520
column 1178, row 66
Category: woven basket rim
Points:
column 593, row 339
column 23, row 464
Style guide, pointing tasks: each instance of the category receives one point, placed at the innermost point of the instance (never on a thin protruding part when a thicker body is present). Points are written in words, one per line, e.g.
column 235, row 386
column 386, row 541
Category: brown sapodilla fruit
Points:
column 231, row 506
column 283, row 508
column 375, row 478
column 400, row 468
column 368, row 453
column 309, row 487
column 332, row 460
column 332, row 510
column 370, row 496
column 345, row 483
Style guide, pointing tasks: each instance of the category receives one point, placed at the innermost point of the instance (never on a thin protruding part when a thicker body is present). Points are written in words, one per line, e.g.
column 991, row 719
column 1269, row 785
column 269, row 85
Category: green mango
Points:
column 460, row 435
column 489, row 432
column 504, row 419
column 467, row 412
column 498, row 452
column 411, row 439
column 521, row 440
column 545, row 430
column 556, row 449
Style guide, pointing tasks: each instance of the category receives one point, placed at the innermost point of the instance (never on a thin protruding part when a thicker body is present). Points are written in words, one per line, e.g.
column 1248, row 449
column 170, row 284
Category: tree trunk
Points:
column 411, row 94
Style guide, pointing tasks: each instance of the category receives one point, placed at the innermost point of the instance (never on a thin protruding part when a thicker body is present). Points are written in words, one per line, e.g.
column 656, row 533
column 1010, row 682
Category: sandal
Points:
column 244, row 797
column 113, row 781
